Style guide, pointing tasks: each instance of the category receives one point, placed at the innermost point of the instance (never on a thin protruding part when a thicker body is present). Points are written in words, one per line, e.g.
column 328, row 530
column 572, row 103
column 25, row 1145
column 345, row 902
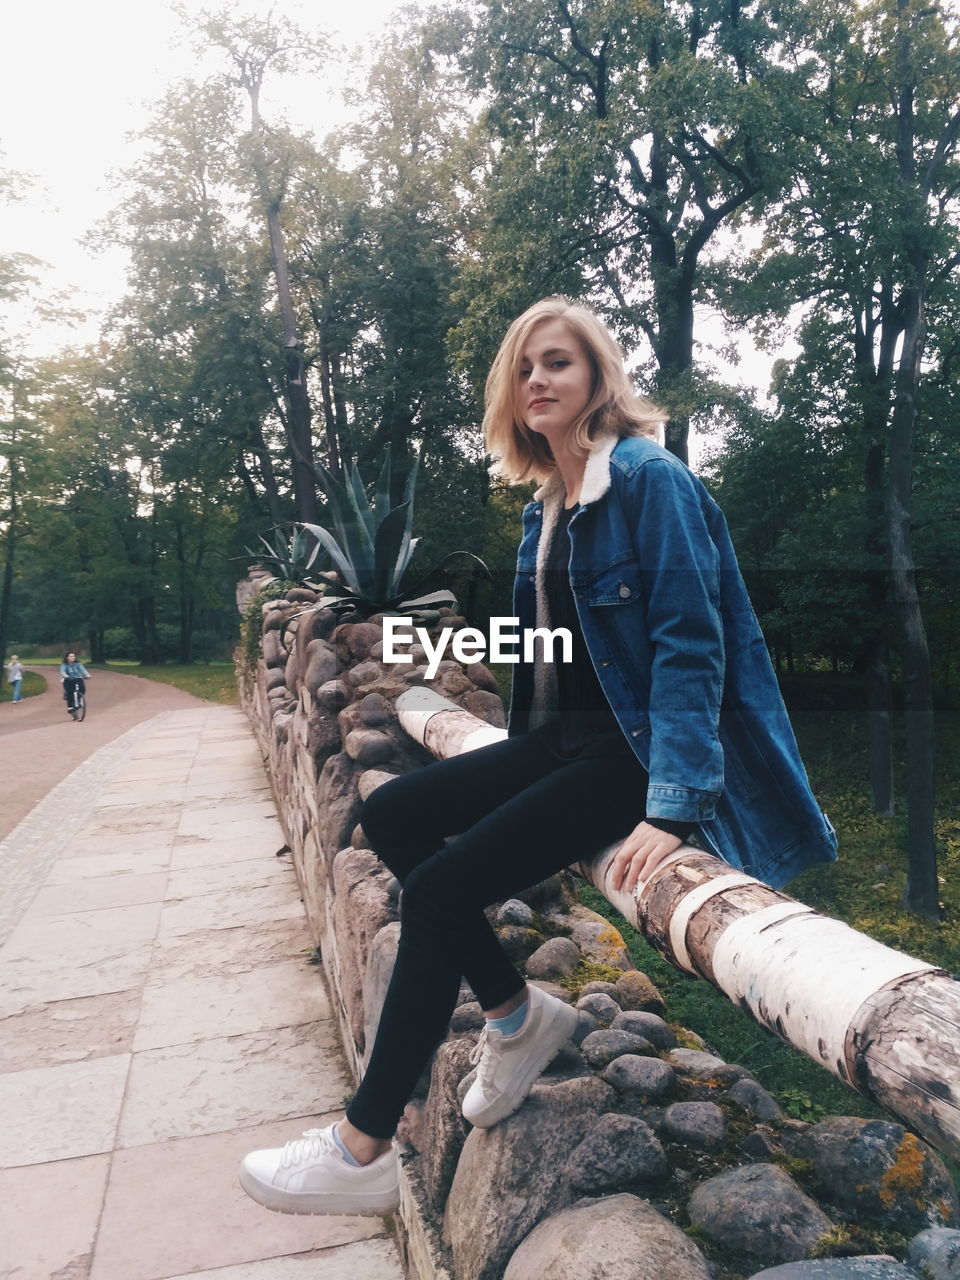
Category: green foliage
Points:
column 32, row 685
column 784, row 1072
column 373, row 546
column 251, row 625
column 864, row 888
column 374, row 542
column 211, row 681
column 288, row 555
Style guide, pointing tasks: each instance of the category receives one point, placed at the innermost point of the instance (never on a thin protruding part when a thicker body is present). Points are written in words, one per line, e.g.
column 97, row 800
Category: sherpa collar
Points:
column 595, row 483
column 596, row 476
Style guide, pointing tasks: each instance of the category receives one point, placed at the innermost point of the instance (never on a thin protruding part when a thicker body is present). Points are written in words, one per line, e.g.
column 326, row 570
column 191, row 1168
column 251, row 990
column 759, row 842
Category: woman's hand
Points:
column 640, row 855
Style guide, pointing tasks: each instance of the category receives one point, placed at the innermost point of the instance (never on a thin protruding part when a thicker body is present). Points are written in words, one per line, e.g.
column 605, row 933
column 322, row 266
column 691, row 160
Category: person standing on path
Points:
column 666, row 724
column 15, row 676
column 73, row 674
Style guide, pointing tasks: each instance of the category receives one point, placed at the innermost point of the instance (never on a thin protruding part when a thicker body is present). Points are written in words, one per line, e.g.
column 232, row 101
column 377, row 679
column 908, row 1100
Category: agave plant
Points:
column 373, row 544
column 287, row 555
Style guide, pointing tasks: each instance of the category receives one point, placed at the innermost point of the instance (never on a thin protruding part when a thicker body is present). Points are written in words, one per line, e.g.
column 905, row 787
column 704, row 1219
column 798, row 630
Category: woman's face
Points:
column 555, row 380
column 71, row 657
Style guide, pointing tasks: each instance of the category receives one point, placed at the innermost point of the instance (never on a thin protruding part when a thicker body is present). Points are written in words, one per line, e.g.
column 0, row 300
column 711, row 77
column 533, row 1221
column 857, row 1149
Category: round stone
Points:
column 601, row 1006
column 513, row 911
column 616, row 1150
column 754, row 1098
column 636, row 991
column 648, row 1079
column 648, row 1025
column 557, row 958
column 601, row 1047
column 586, row 1025
column 695, row 1124
column 600, row 989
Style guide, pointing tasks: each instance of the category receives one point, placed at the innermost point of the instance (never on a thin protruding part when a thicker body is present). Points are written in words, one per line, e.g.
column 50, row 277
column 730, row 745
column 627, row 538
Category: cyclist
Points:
column 73, row 674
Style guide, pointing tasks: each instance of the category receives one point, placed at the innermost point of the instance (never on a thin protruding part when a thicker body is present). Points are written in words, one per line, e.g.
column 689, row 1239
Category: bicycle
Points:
column 77, row 701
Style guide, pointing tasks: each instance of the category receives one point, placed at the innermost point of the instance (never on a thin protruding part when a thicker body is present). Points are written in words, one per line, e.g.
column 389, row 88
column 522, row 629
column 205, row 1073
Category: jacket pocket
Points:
column 620, row 585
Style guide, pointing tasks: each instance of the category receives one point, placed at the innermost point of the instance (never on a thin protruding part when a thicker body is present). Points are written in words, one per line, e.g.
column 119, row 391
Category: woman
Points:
column 73, row 674
column 667, row 722
column 15, row 676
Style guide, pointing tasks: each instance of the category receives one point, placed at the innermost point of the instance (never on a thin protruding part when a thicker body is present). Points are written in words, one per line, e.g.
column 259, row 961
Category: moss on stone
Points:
column 685, row 1038
column 852, row 1240
column 251, row 626
column 587, row 971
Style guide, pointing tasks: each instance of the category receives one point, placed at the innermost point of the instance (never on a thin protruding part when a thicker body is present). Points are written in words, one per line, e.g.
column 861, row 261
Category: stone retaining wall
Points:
column 639, row 1155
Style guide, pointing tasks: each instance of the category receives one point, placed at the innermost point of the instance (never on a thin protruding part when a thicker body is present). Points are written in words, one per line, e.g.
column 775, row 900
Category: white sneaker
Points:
column 310, row 1175
column 509, row 1065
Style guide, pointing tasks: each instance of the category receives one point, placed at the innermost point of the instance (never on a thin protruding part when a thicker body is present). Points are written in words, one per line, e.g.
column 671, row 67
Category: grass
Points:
column 32, row 685
column 212, row 681
column 864, row 888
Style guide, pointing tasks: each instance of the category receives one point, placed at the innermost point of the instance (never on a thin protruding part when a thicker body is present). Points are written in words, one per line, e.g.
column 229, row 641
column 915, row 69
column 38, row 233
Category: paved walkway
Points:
column 158, row 1018
column 40, row 744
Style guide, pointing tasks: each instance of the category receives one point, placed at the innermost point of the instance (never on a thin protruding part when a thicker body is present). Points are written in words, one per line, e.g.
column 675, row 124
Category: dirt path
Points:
column 40, row 744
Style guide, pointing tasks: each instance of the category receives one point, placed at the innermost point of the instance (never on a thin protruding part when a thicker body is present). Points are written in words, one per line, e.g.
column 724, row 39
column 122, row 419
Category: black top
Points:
column 585, row 721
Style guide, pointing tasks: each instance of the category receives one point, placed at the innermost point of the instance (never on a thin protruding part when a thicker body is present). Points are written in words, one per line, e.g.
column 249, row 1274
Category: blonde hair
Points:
column 614, row 408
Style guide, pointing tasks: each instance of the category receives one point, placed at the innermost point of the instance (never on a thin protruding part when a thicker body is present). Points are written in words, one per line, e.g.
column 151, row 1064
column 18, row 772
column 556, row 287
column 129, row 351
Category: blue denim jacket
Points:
column 679, row 654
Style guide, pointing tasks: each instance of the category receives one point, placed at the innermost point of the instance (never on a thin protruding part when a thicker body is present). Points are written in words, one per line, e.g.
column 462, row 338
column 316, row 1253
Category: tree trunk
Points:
column 145, row 628
column 10, row 551
column 329, row 410
column 295, row 381
column 879, row 1020
column 673, row 299
column 876, row 650
column 185, row 647
column 95, row 641
column 268, row 477
column 921, row 894
column 297, row 420
column 880, row 728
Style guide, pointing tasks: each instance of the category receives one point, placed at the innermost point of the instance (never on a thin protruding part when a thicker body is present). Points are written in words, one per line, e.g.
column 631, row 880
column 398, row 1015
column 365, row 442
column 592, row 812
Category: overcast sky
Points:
column 81, row 76
column 78, row 77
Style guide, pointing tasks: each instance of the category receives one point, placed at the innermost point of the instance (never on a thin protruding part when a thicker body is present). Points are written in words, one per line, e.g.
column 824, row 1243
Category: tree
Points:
column 254, row 48
column 20, row 453
column 624, row 138
column 869, row 232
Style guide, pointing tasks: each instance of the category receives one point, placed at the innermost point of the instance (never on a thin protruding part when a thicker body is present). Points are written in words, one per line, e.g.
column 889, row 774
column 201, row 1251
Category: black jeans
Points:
column 69, row 684
column 518, row 810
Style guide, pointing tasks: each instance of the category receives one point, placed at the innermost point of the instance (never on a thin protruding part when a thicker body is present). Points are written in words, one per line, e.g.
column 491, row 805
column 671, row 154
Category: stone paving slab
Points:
column 48, row 977
column 59, row 1031
column 217, row 1084
column 197, row 852
column 228, row 908
column 92, row 866
column 347, row 1262
column 148, row 791
column 170, row 1209
column 27, row 852
column 250, row 873
column 86, row 843
column 275, row 995
column 98, row 892
column 69, row 1192
column 222, row 952
column 55, row 1113
column 84, row 932
column 159, row 1017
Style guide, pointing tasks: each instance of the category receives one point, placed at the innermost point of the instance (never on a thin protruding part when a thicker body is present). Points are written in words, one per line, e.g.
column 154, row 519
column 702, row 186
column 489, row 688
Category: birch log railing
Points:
column 883, row 1022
